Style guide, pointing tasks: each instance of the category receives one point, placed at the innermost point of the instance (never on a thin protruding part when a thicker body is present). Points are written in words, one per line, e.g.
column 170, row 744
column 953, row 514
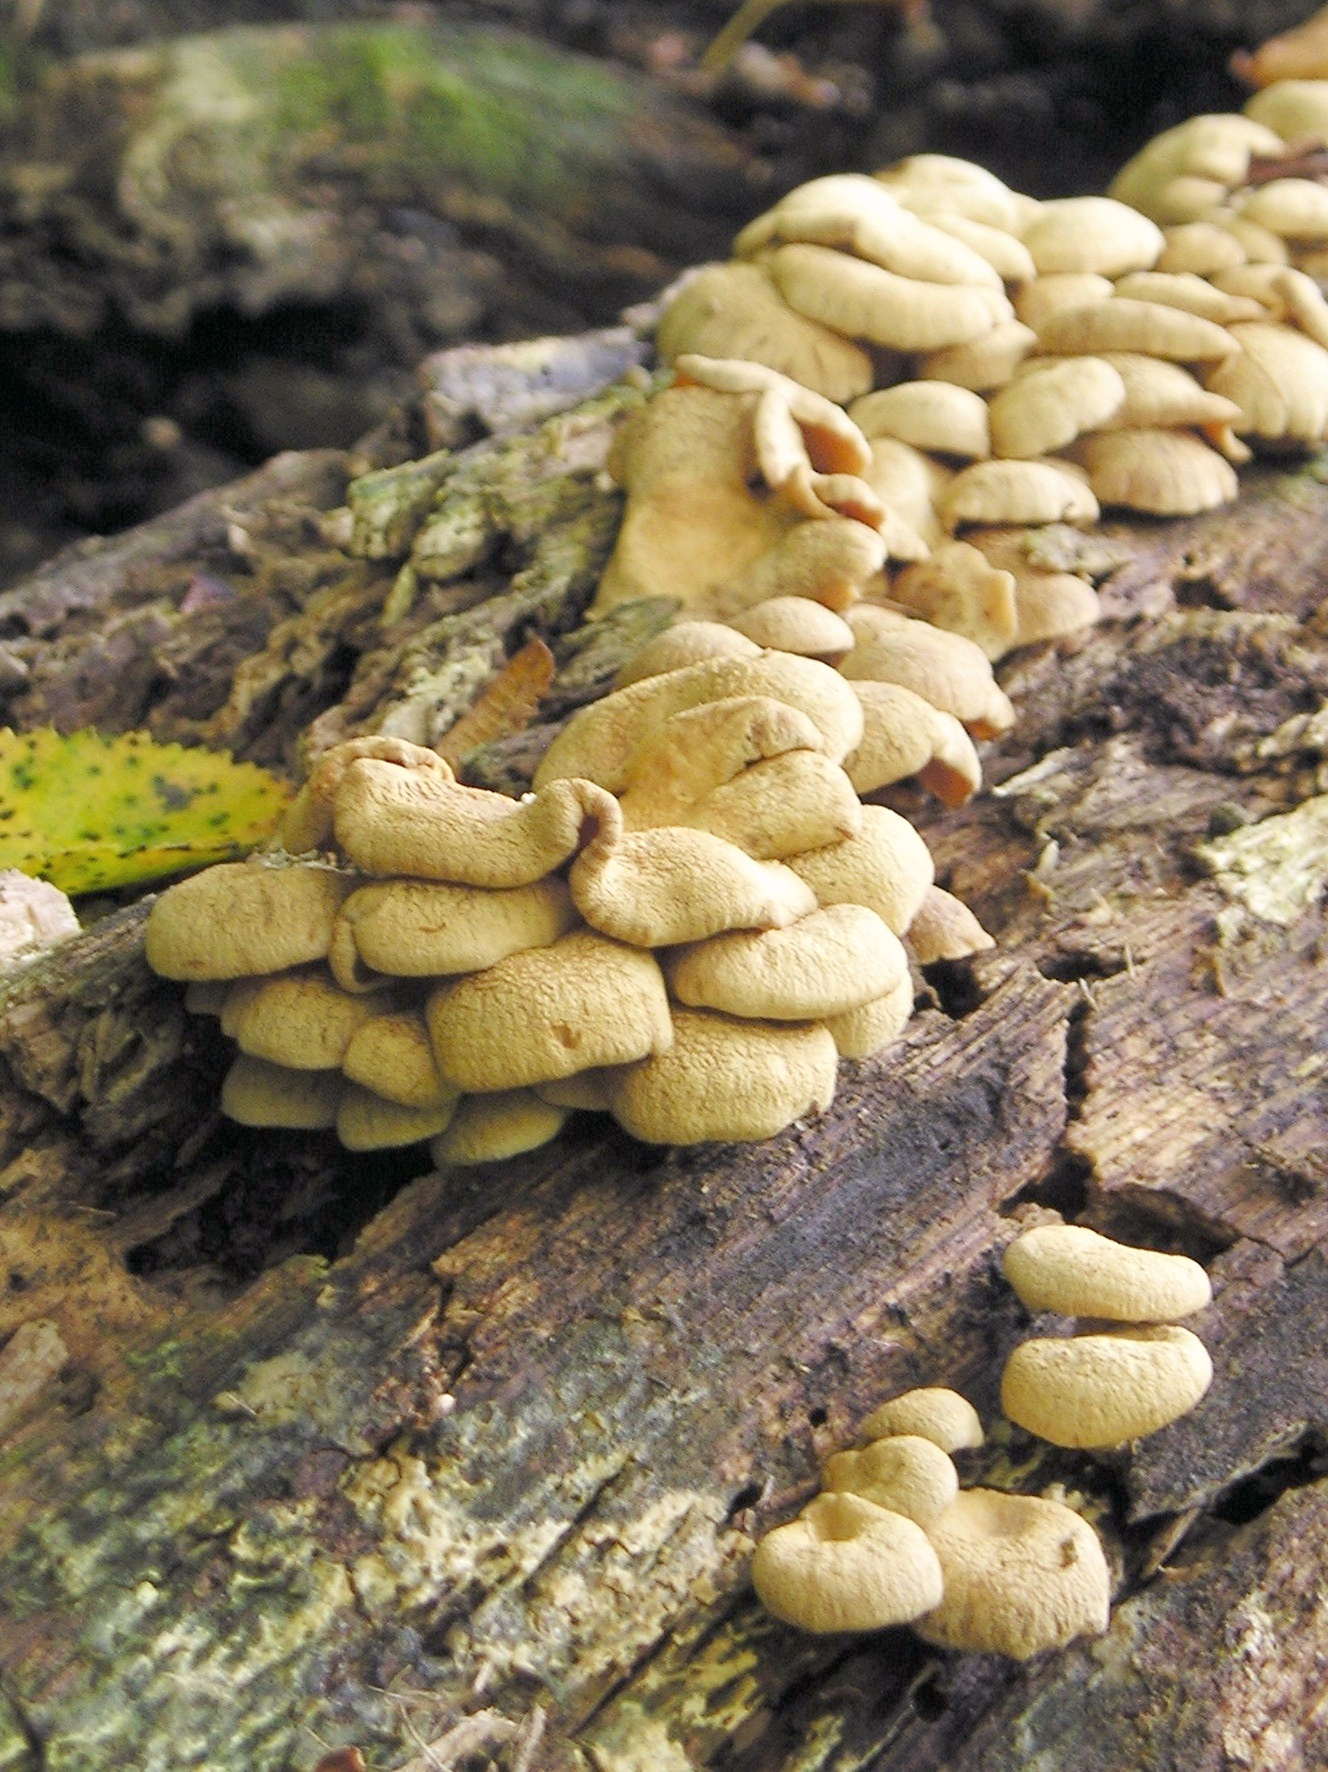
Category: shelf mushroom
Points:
column 846, row 1564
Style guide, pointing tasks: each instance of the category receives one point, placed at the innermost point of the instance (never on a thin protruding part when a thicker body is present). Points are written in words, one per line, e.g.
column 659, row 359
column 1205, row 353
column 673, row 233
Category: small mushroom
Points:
column 1004, row 252
column 1077, row 1272
column 910, row 484
column 796, row 624
column 1047, row 603
column 1032, row 491
column 940, row 1415
column 492, row 1128
column 1161, row 394
column 985, row 362
column 1200, row 247
column 241, row 918
column 391, row 1055
column 582, row 1002
column 886, row 866
column 846, row 1565
column 725, row 1078
column 1298, row 54
column 947, row 670
column 959, row 590
column 865, row 302
column 1293, row 208
column 1193, row 295
column 1167, row 473
column 825, row 435
column 1052, row 404
column 1123, row 325
column 1035, row 303
column 943, row 184
column 1020, row 1575
column 367, row 1121
column 834, row 959
column 829, row 562
column 1097, row 234
column 686, row 642
column 307, row 823
column 1279, row 379
column 671, row 884
column 300, row 1019
column 907, row 1473
column 1098, row 1391
column 1292, row 110
column 256, row 1092
column 428, row 928
column 931, row 415
column 1211, row 151
column 945, row 929
column 904, row 735
column 862, row 1032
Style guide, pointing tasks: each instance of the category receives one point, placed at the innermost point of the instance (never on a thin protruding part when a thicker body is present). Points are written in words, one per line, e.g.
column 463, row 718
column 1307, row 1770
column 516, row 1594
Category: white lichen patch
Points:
column 1276, row 868
column 292, row 1388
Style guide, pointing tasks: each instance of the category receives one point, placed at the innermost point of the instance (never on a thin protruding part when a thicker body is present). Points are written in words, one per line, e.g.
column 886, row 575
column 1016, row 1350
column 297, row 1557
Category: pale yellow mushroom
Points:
column 1261, row 282
column 904, row 735
column 1048, row 603
column 1004, row 252
column 1123, row 325
column 1051, row 403
column 241, row 918
column 597, row 743
column 1023, row 491
column 829, row 562
column 1166, row 473
column 400, row 821
column 1077, row 1272
column 307, row 823
column 940, row 1415
column 910, row 484
column 826, row 496
column 942, row 184
column 930, row 415
column 852, row 196
column 390, row 1054
column 905, row 1472
column 655, row 887
column 1260, row 245
column 1200, row 247
column 1213, row 151
column 947, row 670
column 1036, row 302
column 846, row 1565
column 1193, row 295
column 580, row 1003
column 1279, row 379
column 1299, row 54
column 367, row 1121
column 1020, row 1575
column 426, row 928
column 985, row 362
column 734, row 310
column 1305, row 303
column 1096, row 234
column 828, row 438
column 862, row 1032
column 865, row 302
column 797, row 624
column 834, row 959
column 1293, row 208
column 886, row 866
column 958, row 589
column 1295, row 110
column 725, row 1078
column 301, row 1019
column 586, row 1092
column 945, row 929
column 494, row 1128
column 256, row 1092
column 1163, row 394
column 1093, row 1392
column 686, row 642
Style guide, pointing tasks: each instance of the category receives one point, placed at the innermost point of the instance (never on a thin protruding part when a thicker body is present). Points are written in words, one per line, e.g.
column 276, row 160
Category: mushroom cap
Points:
column 727, row 1079
column 1004, row 252
column 1092, row 234
column 491, row 1128
column 826, row 435
column 1021, row 1574
column 864, row 301
column 1190, row 293
column 390, row 1054
column 852, row 196
column 671, row 884
column 1052, row 403
column 1295, row 208
column 944, row 184
column 906, row 1473
column 398, row 821
column 1294, row 110
column 862, row 1032
column 582, row 1002
column 1097, row 1391
column 1163, row 394
column 256, row 1092
column 796, row 624
column 985, row 362
column 910, row 483
column 903, row 735
column 1167, row 473
column 301, row 1019
column 1077, row 1272
column 828, row 562
column 244, row 917
column 1201, row 247
column 1215, row 149
column 945, row 929
column 831, row 960
column 1035, row 303
column 1279, row 379
column 734, row 310
column 367, row 1121
column 846, row 1564
column 686, row 642
column 1010, row 491
column 932, row 415
column 942, row 1416
column 949, row 671
column 429, row 928
column 1120, row 324
column 599, row 740
column 307, row 823
column 887, row 867
column 960, row 590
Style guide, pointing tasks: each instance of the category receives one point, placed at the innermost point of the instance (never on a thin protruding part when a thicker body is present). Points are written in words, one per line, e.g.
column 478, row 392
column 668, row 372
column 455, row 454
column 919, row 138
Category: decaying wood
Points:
column 344, row 1454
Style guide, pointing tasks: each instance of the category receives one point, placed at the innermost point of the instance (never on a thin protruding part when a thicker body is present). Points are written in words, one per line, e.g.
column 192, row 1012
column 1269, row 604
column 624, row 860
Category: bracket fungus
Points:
column 241, row 918
column 1077, row 1272
column 908, row 1473
column 846, row 1564
column 1098, row 1391
column 935, row 1412
column 904, row 735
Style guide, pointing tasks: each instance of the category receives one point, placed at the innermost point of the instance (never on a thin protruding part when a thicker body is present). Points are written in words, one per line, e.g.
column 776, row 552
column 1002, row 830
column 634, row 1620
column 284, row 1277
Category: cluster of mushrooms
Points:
column 686, row 925
column 892, row 1538
column 1003, row 363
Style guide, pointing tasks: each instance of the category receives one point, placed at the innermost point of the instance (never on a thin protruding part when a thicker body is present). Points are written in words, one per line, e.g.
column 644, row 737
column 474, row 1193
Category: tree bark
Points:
column 307, row 1451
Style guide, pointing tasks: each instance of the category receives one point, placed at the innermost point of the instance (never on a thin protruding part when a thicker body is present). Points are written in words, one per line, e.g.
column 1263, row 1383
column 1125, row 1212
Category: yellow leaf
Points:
column 90, row 812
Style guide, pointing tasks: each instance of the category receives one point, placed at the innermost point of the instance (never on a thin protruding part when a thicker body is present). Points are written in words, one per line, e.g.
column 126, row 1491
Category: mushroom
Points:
column 1032, row 491
column 671, row 884
column 863, row 301
column 947, row 670
column 1159, row 393
column 599, row 740
column 931, row 415
column 1291, row 110
column 797, row 624
column 1123, row 325
column 492, row 1128
column 868, row 1029
column 1293, row 208
column 390, row 1054
column 1097, row 234
column 910, row 484
column 256, row 1092
column 1052, row 404
column 725, row 1078
column 1020, row 1574
column 1298, row 54
column 790, row 422
column 582, row 1002
column 427, row 928
column 240, row 918
column 1279, row 379
column 943, row 184
column 1047, row 603
column 834, row 959
column 1007, row 255
column 399, row 821
column 367, row 1121
column 1180, row 174
column 906, row 1473
column 1077, row 1272
column 959, row 590
column 300, row 1019
column 687, row 642
column 734, row 310
column 1098, row 1391
column 903, row 735
column 307, row 822
column 945, row 929
column 985, row 362
column 943, row 1416
column 1193, row 295
column 1035, row 303
column 846, row 1564
column 1200, row 247
column 1167, row 473
column 887, row 867
column 829, row 562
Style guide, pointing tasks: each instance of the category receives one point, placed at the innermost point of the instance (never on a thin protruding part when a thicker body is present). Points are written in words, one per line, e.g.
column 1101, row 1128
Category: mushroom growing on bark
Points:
column 846, row 1564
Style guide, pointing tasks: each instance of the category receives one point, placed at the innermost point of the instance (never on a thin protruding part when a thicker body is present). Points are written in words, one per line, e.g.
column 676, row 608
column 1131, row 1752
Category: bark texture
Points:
column 304, row 1451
